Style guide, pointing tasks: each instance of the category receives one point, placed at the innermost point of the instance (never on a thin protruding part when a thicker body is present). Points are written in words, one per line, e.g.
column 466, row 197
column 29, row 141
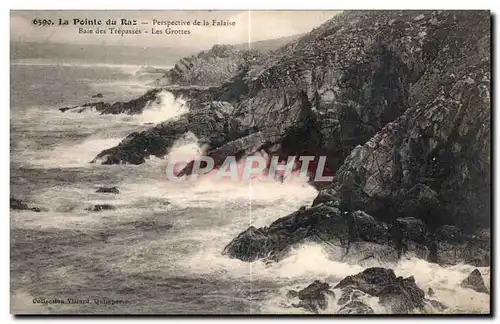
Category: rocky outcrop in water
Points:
column 113, row 190
column 209, row 68
column 359, row 238
column 398, row 101
column 400, row 295
column 475, row 281
column 132, row 107
column 397, row 295
column 313, row 297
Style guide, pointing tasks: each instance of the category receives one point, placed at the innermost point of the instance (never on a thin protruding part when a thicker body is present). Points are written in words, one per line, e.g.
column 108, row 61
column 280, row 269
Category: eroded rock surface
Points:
column 475, row 281
column 313, row 297
column 397, row 295
column 400, row 295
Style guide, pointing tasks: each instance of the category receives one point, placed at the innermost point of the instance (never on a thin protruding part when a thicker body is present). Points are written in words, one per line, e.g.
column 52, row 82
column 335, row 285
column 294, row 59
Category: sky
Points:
column 250, row 26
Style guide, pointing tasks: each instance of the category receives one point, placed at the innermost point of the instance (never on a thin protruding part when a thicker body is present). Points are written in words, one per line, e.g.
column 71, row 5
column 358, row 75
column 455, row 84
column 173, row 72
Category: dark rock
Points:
column 322, row 224
column 250, row 245
column 429, row 148
column 113, row 190
column 149, row 225
column 100, row 207
column 355, row 307
column 314, row 296
column 475, row 281
column 349, row 294
column 399, row 105
column 403, row 297
column 400, row 295
column 210, row 68
column 421, row 202
column 430, row 292
column 371, row 281
column 410, row 236
column 64, row 109
column 136, row 147
column 367, row 228
column 17, row 204
column 437, row 305
column 132, row 107
column 99, row 95
column 359, row 238
column 452, row 246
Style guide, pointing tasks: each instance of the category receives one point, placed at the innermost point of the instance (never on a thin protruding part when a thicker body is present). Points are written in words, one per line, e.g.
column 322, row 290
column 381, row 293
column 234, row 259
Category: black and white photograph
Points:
column 251, row 162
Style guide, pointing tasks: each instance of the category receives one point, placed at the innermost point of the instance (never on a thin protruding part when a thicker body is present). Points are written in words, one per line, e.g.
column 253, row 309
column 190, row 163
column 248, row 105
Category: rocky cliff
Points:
column 398, row 102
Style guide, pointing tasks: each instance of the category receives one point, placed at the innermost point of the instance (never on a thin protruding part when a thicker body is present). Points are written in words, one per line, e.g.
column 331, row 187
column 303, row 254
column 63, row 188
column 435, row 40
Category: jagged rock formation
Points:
column 359, row 238
column 397, row 295
column 400, row 295
column 398, row 102
column 132, row 107
column 475, row 281
column 17, row 204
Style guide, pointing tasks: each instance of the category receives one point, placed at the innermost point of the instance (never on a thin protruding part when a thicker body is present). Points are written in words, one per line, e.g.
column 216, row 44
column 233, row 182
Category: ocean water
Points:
column 160, row 250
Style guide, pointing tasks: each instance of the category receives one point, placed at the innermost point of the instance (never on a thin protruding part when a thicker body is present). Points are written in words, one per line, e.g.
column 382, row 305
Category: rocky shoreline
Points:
column 398, row 101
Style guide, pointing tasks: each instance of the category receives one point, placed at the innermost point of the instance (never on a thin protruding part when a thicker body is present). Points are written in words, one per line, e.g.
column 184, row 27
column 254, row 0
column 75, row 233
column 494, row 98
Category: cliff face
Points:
column 398, row 101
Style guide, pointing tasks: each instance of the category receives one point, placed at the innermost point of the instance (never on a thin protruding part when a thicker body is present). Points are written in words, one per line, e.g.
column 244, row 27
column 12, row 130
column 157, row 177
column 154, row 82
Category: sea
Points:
column 159, row 251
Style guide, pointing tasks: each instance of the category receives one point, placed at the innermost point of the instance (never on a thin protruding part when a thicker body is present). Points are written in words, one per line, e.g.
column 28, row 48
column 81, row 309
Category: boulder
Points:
column 210, row 68
column 475, row 281
column 452, row 246
column 410, row 237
